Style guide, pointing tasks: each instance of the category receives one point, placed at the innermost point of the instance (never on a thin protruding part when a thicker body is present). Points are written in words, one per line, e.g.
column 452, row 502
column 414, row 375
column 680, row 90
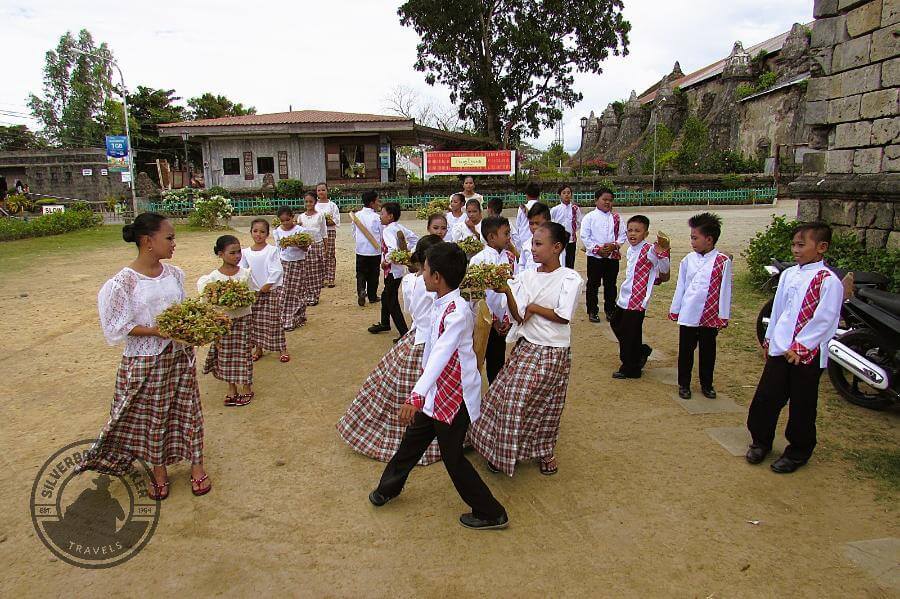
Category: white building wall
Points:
column 218, row 149
column 312, row 160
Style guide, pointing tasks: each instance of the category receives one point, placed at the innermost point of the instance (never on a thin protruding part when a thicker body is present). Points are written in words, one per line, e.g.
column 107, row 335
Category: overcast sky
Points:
column 343, row 55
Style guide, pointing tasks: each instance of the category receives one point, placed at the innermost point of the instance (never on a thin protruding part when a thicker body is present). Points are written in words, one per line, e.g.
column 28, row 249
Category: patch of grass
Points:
column 880, row 464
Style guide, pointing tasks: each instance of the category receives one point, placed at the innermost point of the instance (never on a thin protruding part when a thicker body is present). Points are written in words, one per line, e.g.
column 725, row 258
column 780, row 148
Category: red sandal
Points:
column 157, row 495
column 284, row 358
column 231, row 400
column 242, row 399
column 199, row 481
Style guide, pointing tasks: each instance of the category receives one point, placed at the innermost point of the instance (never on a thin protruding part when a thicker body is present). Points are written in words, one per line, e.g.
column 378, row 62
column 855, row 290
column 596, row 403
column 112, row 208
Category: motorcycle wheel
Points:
column 865, row 343
column 764, row 312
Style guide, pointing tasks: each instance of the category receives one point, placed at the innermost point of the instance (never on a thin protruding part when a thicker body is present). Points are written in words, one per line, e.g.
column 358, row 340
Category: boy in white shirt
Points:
column 645, row 262
column 569, row 215
column 393, row 236
column 702, row 303
column 368, row 251
column 602, row 234
column 523, row 233
column 538, row 215
column 804, row 318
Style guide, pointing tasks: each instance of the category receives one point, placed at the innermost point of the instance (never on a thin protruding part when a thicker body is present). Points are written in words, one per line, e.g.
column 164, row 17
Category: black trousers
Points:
column 628, row 326
column 605, row 271
column 450, row 438
column 390, row 305
column 570, row 255
column 688, row 340
column 367, row 272
column 494, row 355
column 783, row 383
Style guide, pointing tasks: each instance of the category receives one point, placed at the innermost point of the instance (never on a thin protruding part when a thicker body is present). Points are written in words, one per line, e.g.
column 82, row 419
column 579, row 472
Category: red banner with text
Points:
column 487, row 162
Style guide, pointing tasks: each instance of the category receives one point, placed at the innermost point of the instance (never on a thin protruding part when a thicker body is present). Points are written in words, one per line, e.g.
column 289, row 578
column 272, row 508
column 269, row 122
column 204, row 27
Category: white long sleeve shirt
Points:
column 569, row 216
column 292, row 253
column 453, row 220
column 315, row 224
column 599, row 228
column 526, row 258
column 560, row 291
column 370, row 219
column 448, row 354
column 703, row 292
column 461, row 230
column 523, row 232
column 418, row 302
column 242, row 276
column 496, row 302
column 331, row 209
column 808, row 330
column 645, row 261
column 265, row 265
column 389, row 240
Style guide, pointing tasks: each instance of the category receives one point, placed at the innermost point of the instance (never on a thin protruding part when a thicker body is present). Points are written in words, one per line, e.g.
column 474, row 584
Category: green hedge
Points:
column 50, row 224
column 846, row 251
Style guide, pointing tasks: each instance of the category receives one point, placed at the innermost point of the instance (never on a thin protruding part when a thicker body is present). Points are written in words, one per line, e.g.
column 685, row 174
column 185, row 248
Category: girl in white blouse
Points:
column 520, row 413
column 156, row 413
column 293, row 261
column 314, row 223
column 266, row 331
column 229, row 357
column 329, row 209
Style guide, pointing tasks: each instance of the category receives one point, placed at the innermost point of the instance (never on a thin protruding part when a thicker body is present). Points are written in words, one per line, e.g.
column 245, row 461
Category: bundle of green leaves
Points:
column 433, row 207
column 301, row 240
column 399, row 257
column 229, row 294
column 470, row 245
column 481, row 277
column 193, row 322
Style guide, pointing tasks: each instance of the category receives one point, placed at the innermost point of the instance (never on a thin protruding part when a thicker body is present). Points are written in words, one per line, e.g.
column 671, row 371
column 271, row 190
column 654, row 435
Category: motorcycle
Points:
column 864, row 362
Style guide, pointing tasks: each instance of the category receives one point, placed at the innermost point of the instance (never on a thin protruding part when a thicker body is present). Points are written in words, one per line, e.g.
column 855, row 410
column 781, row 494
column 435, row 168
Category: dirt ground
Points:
column 645, row 503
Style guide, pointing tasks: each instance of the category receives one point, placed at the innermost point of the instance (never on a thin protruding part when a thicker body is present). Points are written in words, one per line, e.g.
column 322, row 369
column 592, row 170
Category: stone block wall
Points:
column 60, row 172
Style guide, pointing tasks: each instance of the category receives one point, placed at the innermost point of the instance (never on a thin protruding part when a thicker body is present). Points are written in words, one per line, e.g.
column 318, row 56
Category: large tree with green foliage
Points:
column 76, row 89
column 510, row 63
column 19, row 137
column 211, row 106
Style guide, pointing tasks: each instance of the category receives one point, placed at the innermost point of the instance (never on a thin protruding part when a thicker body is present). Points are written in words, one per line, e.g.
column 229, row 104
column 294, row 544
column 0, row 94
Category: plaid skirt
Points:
column 293, row 306
column 520, row 412
column 266, row 330
column 155, row 415
column 330, row 257
column 371, row 425
column 229, row 358
column 314, row 275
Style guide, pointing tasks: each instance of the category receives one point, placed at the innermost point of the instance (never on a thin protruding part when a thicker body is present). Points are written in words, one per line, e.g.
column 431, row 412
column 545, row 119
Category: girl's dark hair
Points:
column 473, row 202
column 224, row 241
column 146, row 223
column 422, row 246
column 564, row 186
column 259, row 220
column 284, row 210
column 558, row 233
column 311, row 193
column 539, row 209
column 434, row 217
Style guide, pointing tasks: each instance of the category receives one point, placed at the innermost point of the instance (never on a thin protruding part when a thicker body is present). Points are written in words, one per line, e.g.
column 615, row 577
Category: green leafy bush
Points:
column 289, row 188
column 217, row 190
column 17, row 203
column 208, row 211
column 49, row 224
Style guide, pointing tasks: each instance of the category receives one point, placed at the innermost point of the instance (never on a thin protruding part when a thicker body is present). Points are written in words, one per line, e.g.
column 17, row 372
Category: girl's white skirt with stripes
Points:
column 229, row 358
column 330, row 257
column 314, row 275
column 371, row 425
column 293, row 306
column 155, row 414
column 266, row 328
column 521, row 411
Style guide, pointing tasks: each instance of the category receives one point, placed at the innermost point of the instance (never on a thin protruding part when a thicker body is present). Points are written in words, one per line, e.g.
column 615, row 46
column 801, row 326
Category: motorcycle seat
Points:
column 861, row 277
column 882, row 299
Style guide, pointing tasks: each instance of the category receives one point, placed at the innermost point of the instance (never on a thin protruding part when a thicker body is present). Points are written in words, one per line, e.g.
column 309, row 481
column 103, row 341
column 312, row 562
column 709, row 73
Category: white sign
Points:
column 87, row 172
column 126, row 177
column 104, row 171
column 53, row 208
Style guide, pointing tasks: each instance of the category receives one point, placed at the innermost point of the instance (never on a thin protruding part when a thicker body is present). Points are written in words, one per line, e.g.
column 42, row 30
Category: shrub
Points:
column 217, row 190
column 289, row 188
column 16, row 203
column 208, row 211
column 49, row 224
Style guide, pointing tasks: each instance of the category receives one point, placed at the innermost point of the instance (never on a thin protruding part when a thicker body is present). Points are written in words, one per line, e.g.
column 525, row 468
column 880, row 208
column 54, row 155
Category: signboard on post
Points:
column 384, row 156
column 50, row 209
column 117, row 153
column 479, row 162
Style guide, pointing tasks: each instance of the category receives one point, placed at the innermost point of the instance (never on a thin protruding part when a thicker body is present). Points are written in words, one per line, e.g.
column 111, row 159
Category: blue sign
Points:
column 117, row 152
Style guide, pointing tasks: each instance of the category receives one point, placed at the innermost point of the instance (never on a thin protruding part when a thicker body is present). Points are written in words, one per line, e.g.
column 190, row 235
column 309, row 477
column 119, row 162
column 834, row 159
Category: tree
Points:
column 210, row 106
column 510, row 63
column 406, row 102
column 556, row 155
column 19, row 137
column 76, row 88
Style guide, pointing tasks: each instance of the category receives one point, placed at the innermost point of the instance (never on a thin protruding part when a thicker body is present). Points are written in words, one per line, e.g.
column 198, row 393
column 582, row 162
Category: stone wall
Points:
column 852, row 180
column 60, row 173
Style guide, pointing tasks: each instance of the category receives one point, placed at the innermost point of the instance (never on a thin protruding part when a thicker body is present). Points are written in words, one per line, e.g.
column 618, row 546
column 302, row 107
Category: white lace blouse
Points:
column 131, row 299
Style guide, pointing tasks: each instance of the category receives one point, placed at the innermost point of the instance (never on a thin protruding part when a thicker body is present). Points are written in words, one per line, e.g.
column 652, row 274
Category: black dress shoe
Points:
column 492, row 468
column 396, row 340
column 756, row 454
column 476, row 523
column 786, row 465
column 378, row 499
column 378, row 328
column 594, row 317
column 708, row 393
column 361, row 300
column 646, row 350
column 608, row 317
column 621, row 375
column 684, row 392
column 375, row 301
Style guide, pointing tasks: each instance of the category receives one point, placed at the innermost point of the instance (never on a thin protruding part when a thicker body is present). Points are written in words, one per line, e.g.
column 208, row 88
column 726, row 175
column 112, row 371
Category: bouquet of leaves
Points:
column 400, row 257
column 470, row 245
column 329, row 221
column 433, row 207
column 193, row 322
column 301, row 240
column 229, row 294
column 481, row 277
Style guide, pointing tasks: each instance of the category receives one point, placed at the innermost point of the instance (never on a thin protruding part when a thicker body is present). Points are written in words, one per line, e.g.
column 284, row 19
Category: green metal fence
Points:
column 250, row 206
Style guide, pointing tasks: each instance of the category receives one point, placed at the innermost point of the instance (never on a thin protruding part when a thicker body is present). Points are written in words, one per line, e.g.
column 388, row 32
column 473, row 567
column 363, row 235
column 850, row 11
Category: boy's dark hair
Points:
column 539, row 209
column 422, row 247
column 492, row 224
column 392, row 208
column 473, row 202
column 495, row 205
column 284, row 210
column 603, row 190
column 224, row 241
column 448, row 260
column 533, row 190
column 436, row 216
column 817, row 230
column 146, row 223
column 368, row 197
column 558, row 233
column 708, row 224
column 257, row 221
column 640, row 218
